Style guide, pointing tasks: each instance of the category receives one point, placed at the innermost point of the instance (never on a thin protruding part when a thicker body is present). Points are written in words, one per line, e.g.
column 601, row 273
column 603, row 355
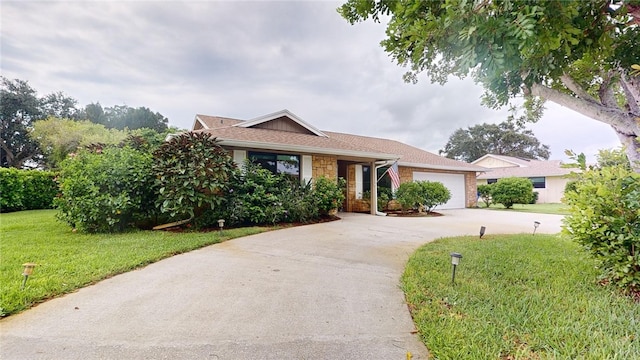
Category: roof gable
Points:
column 499, row 161
column 282, row 120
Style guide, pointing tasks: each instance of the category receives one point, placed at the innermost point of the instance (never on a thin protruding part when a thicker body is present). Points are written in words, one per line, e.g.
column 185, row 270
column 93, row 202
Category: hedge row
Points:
column 26, row 189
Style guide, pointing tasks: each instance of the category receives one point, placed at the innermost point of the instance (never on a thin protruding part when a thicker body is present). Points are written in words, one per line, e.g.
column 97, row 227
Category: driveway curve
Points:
column 323, row 291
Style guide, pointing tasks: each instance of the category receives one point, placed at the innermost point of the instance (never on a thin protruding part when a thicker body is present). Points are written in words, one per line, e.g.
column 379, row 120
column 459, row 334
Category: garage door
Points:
column 453, row 182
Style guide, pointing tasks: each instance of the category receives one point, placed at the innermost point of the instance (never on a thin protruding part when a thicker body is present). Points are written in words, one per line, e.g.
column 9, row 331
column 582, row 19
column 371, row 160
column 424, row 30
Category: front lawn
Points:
column 67, row 261
column 517, row 297
column 557, row 209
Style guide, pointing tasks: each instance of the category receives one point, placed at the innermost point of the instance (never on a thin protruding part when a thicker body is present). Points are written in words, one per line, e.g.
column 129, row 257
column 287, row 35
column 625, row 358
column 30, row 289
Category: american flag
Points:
column 395, row 176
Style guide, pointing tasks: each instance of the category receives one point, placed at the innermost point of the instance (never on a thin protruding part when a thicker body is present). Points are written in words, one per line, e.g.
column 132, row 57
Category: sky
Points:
column 245, row 59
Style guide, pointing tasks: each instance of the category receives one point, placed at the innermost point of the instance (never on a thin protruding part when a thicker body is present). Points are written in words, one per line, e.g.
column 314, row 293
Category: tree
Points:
column 122, row 116
column 19, row 107
column 506, row 138
column 578, row 54
column 59, row 105
column 59, row 137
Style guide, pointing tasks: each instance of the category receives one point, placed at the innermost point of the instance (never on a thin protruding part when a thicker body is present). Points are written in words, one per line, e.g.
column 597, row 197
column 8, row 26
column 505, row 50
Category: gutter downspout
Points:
column 374, row 181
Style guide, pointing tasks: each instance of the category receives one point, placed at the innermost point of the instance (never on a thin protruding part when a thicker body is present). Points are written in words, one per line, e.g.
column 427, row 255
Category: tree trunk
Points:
column 625, row 123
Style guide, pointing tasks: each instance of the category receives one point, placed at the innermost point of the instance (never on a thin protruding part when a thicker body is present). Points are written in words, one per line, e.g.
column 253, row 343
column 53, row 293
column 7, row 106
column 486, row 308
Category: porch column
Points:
column 373, row 173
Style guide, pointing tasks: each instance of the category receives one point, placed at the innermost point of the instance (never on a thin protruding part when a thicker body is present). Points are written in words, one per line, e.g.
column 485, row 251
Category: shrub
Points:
column 191, row 172
column 106, row 190
column 434, row 193
column 513, row 190
column 484, row 191
column 604, row 206
column 26, row 189
column 384, row 196
column 11, row 194
column 328, row 194
column 409, row 195
column 255, row 196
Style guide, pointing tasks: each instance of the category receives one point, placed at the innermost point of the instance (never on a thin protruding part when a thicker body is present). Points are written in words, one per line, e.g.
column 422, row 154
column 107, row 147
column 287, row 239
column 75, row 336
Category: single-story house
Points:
column 549, row 178
column 283, row 142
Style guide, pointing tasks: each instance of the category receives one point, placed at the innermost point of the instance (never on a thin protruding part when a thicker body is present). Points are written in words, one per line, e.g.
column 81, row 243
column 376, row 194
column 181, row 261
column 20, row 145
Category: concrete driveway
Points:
column 324, row 291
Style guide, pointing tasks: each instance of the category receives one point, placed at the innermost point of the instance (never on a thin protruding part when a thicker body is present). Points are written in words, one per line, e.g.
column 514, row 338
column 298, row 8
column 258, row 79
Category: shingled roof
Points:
column 241, row 134
column 524, row 168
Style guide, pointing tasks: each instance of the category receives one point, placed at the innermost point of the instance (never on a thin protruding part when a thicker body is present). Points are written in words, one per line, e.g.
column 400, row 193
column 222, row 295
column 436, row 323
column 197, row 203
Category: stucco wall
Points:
column 553, row 191
column 491, row 162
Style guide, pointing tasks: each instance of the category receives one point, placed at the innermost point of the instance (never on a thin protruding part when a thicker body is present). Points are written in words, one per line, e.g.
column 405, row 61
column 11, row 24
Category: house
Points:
column 549, row 178
column 283, row 142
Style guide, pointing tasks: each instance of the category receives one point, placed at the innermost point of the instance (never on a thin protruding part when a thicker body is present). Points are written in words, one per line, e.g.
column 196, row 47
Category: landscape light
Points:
column 28, row 270
column 455, row 260
column 482, row 230
column 221, row 224
column 535, row 226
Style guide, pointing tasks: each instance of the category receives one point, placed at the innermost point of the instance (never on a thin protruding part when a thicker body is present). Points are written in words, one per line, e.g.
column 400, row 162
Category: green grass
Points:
column 517, row 297
column 67, row 261
column 558, row 209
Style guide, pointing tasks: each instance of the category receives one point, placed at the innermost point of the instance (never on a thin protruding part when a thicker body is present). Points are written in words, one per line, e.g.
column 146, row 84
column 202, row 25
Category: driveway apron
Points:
column 323, row 291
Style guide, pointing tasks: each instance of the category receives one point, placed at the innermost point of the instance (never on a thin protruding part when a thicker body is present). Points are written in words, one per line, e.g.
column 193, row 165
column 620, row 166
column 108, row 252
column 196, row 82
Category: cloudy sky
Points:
column 244, row 59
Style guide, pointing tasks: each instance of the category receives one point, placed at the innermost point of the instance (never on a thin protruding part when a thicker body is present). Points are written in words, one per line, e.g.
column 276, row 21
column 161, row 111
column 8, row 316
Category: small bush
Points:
column 26, row 189
column 604, row 206
column 513, row 190
column 329, row 194
column 409, row 195
column 426, row 194
column 434, row 193
column 106, row 190
column 484, row 191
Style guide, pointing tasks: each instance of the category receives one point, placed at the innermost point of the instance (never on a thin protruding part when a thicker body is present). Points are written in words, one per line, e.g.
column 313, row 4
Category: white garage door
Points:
column 453, row 182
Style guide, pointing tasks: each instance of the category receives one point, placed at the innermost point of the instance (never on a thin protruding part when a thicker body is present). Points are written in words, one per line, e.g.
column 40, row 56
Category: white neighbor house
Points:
column 548, row 176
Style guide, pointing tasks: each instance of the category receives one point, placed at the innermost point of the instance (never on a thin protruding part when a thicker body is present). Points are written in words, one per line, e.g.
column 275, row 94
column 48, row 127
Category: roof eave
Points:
column 277, row 114
column 304, row 149
column 471, row 168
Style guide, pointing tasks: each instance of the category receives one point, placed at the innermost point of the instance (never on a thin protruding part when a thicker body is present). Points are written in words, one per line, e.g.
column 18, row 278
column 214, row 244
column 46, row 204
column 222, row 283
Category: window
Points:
column 366, row 178
column 538, row 182
column 278, row 163
column 492, row 181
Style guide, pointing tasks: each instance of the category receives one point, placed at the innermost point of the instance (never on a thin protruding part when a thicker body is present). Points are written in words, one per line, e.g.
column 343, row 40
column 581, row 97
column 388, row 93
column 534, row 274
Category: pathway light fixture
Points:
column 535, row 226
column 28, row 270
column 455, row 260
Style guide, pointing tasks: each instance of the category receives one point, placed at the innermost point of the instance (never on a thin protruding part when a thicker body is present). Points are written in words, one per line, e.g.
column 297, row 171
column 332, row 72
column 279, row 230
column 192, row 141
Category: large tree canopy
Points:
column 575, row 53
column 19, row 107
column 507, row 138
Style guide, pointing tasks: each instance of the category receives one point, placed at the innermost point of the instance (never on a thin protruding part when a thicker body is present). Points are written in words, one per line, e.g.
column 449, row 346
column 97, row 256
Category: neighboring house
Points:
column 549, row 178
column 284, row 143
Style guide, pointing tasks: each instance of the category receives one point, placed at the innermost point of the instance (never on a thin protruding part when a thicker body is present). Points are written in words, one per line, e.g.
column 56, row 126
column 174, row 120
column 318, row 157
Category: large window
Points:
column 538, row 182
column 278, row 163
column 384, row 181
column 492, row 181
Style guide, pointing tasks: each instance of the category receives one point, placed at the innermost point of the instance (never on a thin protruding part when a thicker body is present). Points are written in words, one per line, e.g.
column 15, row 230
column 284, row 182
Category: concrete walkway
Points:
column 324, row 291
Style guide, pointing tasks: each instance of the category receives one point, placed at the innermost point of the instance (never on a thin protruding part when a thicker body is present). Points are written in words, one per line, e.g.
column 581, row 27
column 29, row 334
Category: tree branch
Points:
column 605, row 92
column 631, row 87
column 611, row 116
column 576, row 88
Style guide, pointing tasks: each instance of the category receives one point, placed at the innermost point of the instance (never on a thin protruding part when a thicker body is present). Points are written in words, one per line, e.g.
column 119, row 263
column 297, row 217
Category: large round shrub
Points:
column 106, row 190
column 409, row 195
column 434, row 193
column 513, row 190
